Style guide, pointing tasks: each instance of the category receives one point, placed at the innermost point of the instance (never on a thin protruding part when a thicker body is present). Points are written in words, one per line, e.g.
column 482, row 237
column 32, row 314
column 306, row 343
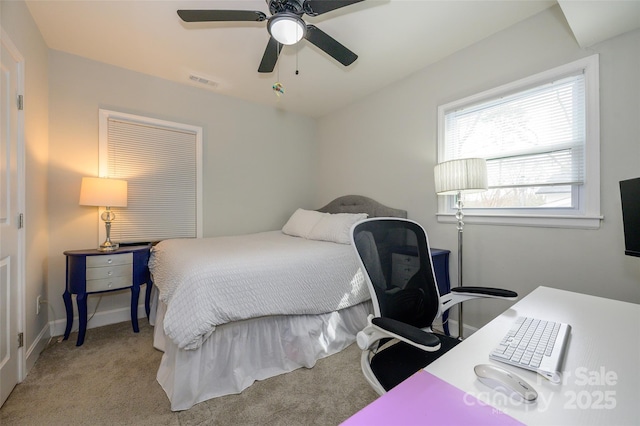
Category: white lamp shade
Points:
column 464, row 175
column 287, row 29
column 103, row 192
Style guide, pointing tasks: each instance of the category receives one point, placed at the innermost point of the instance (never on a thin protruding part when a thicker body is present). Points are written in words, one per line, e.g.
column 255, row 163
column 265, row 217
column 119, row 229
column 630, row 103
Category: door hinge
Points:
column 20, row 102
column 20, row 340
column 21, row 221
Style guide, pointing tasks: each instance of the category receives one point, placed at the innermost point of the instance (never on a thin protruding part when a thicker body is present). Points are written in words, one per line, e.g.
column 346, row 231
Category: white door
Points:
column 10, row 365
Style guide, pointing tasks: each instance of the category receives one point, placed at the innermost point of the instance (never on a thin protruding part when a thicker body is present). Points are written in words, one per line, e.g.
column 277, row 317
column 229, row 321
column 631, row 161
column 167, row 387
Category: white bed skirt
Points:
column 237, row 354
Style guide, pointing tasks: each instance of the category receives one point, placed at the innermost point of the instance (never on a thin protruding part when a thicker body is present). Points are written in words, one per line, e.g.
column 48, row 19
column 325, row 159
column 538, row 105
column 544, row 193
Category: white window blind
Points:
column 160, row 160
column 532, row 138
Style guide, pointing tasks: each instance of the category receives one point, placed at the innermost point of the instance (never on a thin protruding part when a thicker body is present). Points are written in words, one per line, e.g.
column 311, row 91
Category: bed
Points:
column 232, row 310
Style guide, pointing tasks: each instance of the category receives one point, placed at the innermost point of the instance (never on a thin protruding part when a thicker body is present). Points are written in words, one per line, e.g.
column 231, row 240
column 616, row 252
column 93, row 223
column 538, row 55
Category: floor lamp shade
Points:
column 464, row 175
column 104, row 192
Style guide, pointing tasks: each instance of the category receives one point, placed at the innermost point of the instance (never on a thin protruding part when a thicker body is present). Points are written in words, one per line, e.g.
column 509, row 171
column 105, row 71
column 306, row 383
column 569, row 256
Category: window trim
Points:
column 587, row 215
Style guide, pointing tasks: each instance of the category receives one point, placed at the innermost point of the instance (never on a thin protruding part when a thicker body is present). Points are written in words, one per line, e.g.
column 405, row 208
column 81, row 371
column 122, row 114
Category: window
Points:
column 540, row 137
column 161, row 161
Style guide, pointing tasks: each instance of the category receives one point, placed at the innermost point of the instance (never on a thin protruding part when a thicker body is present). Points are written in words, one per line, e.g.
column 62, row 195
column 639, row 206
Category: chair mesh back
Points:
column 396, row 258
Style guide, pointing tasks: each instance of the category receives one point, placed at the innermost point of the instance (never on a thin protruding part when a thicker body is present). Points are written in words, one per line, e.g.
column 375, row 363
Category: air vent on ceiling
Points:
column 202, row 80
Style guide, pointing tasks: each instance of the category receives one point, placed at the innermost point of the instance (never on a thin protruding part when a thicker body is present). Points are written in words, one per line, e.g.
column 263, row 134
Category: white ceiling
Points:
column 595, row 21
column 393, row 38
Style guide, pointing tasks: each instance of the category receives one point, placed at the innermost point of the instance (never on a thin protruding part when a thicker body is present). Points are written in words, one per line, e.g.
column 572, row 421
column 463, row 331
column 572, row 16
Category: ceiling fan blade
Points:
column 221, row 15
column 318, row 7
column 330, row 46
column 270, row 56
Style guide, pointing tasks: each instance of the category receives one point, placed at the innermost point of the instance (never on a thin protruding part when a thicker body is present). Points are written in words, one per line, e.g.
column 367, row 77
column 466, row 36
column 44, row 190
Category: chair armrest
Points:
column 461, row 294
column 414, row 334
column 386, row 328
column 487, row 291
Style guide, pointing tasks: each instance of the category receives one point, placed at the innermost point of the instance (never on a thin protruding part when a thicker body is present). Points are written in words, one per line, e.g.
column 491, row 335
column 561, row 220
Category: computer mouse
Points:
column 505, row 381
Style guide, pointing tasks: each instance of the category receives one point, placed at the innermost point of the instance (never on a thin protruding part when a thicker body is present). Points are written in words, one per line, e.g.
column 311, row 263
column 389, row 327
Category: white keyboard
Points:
column 536, row 345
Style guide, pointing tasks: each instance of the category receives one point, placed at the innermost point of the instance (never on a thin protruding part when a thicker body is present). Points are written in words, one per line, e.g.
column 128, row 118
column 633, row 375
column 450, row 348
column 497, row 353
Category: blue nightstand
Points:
column 93, row 271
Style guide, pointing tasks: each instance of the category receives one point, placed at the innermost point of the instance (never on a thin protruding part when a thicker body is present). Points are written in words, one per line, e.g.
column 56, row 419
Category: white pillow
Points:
column 302, row 222
column 336, row 227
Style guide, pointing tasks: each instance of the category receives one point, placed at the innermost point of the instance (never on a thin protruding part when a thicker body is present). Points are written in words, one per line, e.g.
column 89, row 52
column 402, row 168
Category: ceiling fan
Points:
column 285, row 26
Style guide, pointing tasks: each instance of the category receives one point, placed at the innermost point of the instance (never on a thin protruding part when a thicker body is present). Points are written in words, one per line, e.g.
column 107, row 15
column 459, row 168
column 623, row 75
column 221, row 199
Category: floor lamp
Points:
column 457, row 177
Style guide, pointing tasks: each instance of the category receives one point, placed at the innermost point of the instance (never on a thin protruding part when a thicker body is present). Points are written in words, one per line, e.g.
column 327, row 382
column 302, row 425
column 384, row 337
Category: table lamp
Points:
column 104, row 192
column 457, row 177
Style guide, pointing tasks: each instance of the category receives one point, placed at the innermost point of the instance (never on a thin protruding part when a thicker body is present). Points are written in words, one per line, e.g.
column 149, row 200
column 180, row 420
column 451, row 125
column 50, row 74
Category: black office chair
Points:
column 398, row 340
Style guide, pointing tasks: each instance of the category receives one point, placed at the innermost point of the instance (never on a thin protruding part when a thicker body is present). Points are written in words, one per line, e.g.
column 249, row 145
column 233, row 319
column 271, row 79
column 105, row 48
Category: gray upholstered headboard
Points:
column 361, row 204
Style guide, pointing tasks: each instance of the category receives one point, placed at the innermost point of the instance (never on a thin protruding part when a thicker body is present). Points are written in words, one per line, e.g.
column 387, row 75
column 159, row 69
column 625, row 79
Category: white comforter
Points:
column 207, row 282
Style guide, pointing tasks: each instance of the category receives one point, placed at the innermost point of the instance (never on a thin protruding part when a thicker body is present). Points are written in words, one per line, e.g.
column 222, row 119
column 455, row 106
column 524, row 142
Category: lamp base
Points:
column 108, row 246
column 108, row 216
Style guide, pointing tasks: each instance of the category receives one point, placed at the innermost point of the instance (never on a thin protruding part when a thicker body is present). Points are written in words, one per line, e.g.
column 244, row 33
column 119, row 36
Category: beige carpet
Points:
column 111, row 380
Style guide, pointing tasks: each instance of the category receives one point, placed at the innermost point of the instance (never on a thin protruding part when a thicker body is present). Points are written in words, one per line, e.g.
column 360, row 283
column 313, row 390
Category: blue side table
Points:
column 93, row 271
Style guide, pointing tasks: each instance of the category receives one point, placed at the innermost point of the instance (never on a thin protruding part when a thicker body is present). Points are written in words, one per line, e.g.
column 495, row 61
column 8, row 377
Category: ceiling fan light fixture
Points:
column 286, row 28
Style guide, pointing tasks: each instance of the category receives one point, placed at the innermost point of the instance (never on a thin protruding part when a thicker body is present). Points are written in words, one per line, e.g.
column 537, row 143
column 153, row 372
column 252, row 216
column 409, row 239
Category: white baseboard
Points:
column 38, row 345
column 100, row 319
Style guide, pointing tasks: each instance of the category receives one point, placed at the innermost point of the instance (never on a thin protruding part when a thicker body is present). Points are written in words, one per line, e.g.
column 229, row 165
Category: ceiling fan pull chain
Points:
column 297, row 51
column 278, row 64
column 277, row 87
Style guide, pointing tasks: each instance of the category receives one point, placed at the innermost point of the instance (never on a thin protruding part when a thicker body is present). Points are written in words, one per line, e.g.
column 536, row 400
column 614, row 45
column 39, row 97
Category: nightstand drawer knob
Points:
column 110, row 261
column 110, row 273
column 110, row 284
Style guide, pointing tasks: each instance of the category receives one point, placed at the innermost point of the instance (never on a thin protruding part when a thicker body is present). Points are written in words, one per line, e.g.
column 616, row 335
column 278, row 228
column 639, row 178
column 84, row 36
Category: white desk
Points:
column 601, row 383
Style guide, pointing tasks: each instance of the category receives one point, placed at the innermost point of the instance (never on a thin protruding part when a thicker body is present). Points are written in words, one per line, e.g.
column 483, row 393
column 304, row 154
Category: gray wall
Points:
column 384, row 146
column 257, row 160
